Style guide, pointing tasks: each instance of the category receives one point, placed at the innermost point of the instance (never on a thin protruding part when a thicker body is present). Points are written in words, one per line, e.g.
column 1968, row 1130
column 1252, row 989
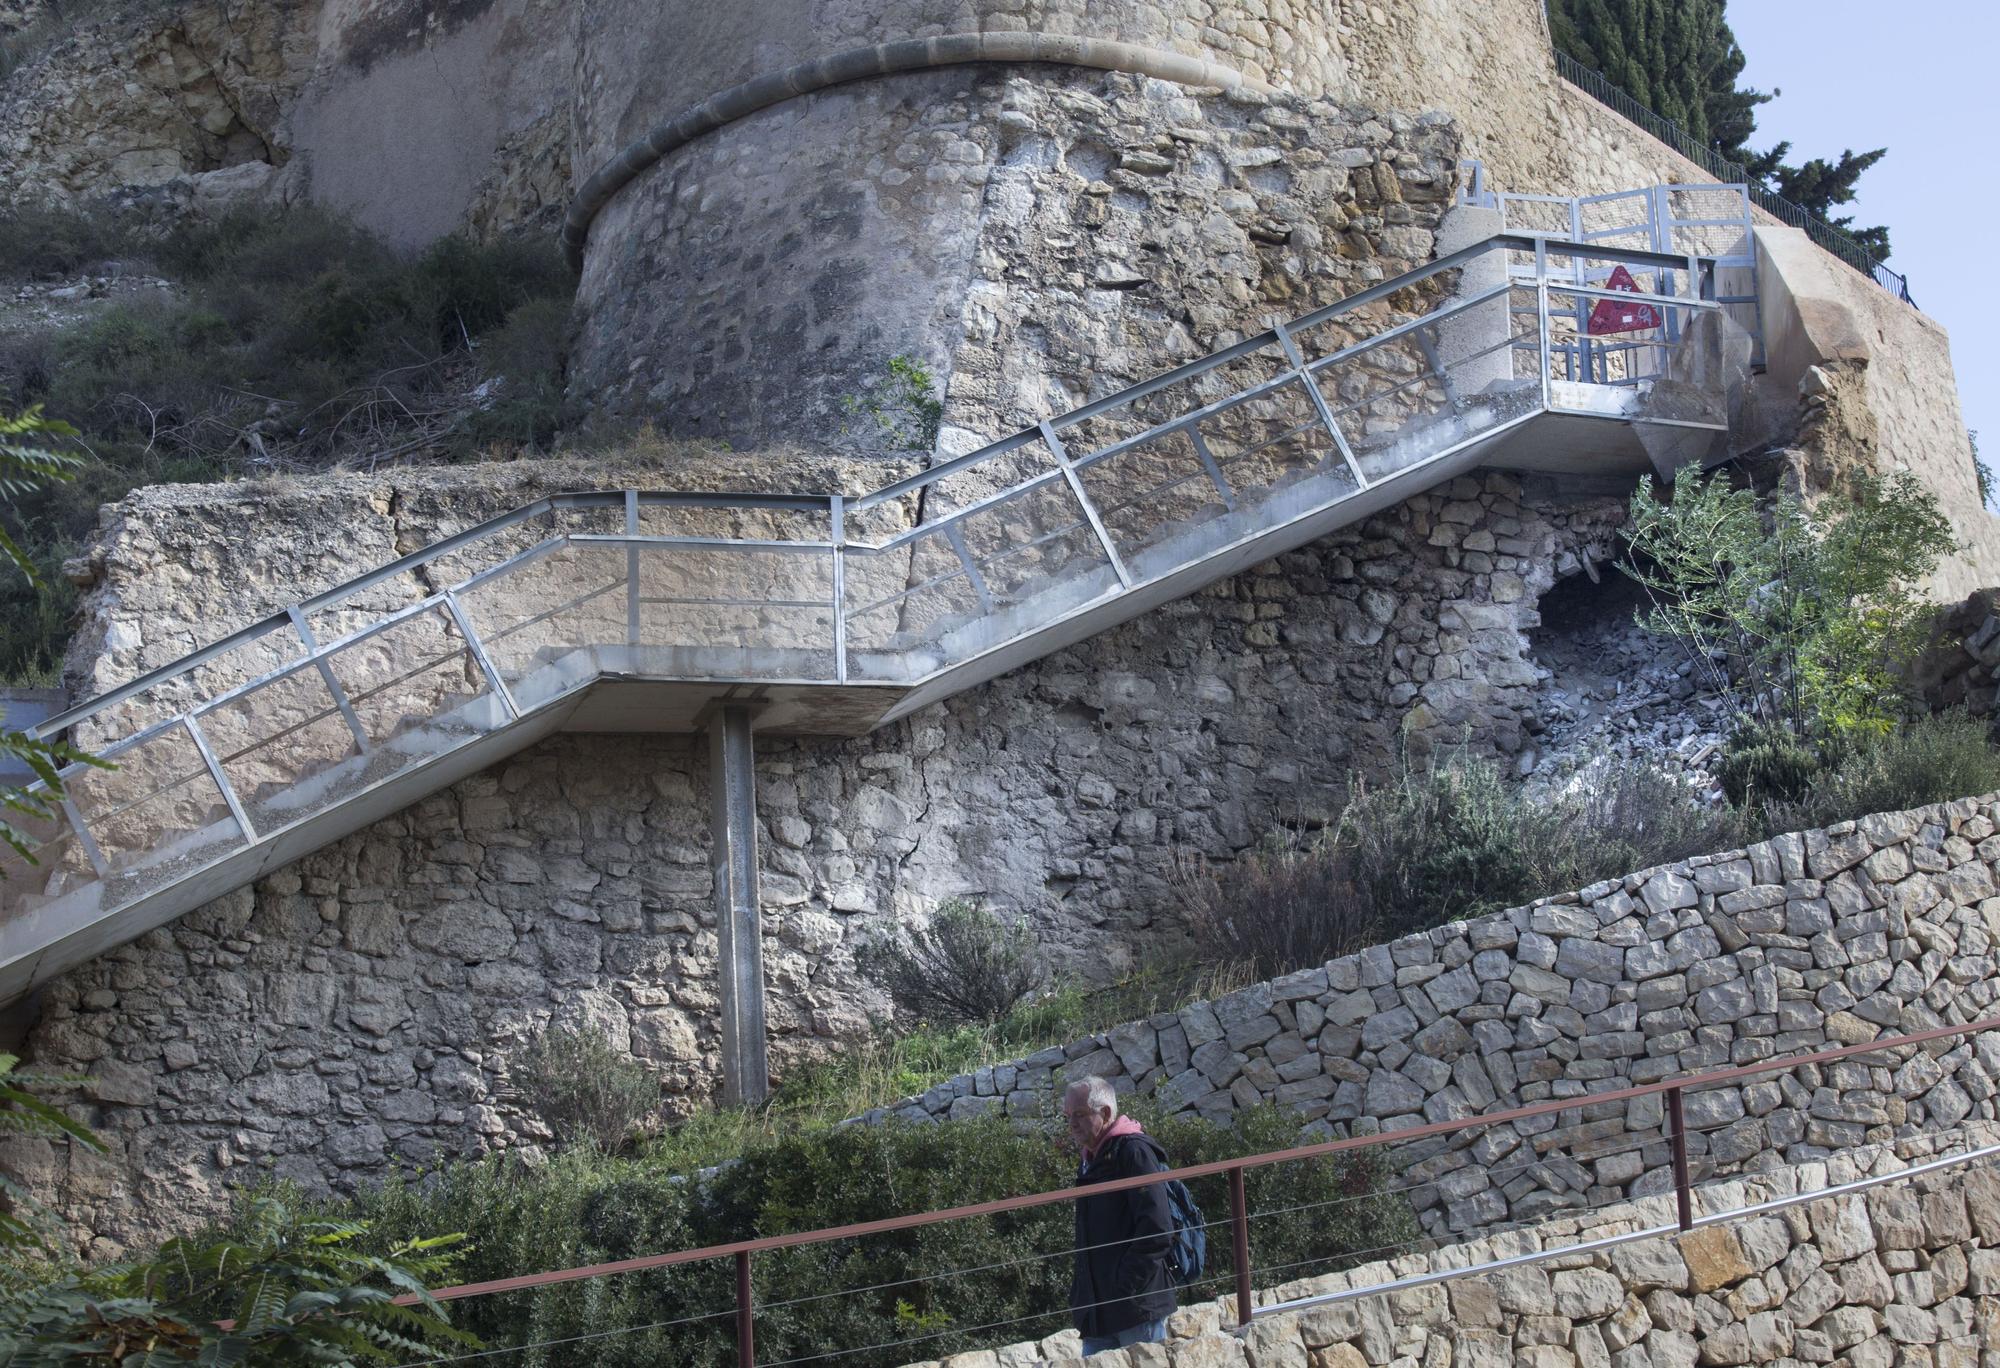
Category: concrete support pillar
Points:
column 1477, row 330
column 746, row 1078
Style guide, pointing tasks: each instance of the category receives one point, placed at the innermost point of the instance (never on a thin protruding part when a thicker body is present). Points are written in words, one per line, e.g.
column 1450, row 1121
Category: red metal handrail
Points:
column 1673, row 1089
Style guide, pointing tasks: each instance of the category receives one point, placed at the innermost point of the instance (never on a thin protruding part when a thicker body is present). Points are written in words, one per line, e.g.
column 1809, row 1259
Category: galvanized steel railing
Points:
column 1599, row 87
column 305, row 709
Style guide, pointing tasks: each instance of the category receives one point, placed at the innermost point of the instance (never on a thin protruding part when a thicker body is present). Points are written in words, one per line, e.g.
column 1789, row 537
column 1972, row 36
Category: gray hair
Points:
column 1096, row 1093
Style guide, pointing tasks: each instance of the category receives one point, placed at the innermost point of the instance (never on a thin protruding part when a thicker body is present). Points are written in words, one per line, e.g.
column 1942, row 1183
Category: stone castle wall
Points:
column 1877, row 928
column 1907, row 1272
column 1034, row 237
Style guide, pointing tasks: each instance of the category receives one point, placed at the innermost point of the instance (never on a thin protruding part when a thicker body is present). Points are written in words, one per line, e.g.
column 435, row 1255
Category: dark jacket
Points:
column 1122, row 1241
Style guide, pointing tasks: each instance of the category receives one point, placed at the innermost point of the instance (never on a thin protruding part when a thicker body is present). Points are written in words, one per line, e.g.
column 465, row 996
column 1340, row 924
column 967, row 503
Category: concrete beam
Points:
column 746, row 1074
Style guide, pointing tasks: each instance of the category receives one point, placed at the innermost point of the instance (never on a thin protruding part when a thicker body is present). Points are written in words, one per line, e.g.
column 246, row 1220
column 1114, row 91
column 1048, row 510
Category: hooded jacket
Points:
column 1122, row 1238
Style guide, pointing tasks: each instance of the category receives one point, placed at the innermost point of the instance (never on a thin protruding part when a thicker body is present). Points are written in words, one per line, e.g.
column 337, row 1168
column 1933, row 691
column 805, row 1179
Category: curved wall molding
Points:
column 862, row 63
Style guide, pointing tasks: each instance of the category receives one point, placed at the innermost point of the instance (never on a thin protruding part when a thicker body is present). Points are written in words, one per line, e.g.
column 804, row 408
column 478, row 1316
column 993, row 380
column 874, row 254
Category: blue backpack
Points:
column 1189, row 1255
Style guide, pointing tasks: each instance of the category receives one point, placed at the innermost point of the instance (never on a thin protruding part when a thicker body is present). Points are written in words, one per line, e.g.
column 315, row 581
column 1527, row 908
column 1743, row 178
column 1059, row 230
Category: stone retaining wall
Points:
column 1835, row 937
column 385, row 980
column 1905, row 1273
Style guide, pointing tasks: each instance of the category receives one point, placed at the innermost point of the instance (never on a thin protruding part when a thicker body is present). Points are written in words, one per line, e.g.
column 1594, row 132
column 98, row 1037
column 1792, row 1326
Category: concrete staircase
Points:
column 805, row 613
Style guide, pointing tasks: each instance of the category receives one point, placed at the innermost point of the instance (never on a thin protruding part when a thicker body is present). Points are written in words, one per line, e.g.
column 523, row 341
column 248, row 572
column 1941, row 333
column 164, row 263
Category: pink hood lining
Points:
column 1123, row 1125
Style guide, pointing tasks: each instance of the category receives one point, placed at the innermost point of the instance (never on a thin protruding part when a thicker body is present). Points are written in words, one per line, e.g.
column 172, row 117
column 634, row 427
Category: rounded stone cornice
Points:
column 863, row 63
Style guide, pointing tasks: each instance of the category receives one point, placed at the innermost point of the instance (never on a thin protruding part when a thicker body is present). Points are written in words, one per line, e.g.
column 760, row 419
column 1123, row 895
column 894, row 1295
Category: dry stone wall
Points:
column 385, row 980
column 1867, row 929
column 1907, row 1272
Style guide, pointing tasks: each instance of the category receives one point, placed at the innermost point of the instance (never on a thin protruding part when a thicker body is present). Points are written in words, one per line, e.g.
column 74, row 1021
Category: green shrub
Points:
column 1813, row 609
column 1444, row 839
column 298, row 1290
column 584, row 1090
column 1931, row 760
column 294, row 339
column 967, row 965
column 1289, row 902
column 1763, row 764
column 582, row 1208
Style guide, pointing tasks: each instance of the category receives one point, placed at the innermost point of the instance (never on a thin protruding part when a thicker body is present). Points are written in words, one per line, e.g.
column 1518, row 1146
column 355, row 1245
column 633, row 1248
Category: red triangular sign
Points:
column 1610, row 316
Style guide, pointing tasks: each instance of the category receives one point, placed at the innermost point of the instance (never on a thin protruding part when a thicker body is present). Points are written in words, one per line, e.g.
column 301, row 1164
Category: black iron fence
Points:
column 1595, row 85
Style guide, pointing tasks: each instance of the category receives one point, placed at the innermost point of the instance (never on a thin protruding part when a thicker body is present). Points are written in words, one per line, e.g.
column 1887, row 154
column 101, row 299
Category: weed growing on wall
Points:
column 904, row 406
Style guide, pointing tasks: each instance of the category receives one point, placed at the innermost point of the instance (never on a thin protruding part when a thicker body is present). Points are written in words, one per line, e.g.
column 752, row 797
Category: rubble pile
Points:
column 1613, row 692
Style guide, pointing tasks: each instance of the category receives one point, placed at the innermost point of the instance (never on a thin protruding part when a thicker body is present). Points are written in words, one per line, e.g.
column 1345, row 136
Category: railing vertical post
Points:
column 1542, row 333
column 837, row 531
column 91, row 849
column 746, row 1341
column 1061, row 454
column 340, row 699
column 1683, row 1193
column 1239, row 1227
column 1297, row 361
column 632, row 568
column 479, row 657
column 220, row 779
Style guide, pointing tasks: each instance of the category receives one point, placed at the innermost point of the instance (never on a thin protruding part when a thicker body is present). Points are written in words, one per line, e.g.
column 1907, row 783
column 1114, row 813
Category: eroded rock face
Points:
column 392, row 973
column 416, row 122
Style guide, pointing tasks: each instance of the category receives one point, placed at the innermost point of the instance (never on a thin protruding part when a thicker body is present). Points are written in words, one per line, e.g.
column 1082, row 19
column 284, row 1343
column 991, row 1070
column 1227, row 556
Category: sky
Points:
column 1923, row 80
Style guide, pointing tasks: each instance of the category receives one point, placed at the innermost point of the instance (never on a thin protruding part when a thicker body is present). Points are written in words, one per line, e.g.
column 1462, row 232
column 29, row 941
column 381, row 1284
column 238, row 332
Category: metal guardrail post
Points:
column 955, row 538
column 1683, row 1190
column 1208, row 463
column 478, row 649
column 83, row 836
column 1296, row 359
column 1239, row 1229
column 1061, row 454
column 221, row 780
column 837, row 531
column 746, row 1330
column 632, row 568
column 326, row 677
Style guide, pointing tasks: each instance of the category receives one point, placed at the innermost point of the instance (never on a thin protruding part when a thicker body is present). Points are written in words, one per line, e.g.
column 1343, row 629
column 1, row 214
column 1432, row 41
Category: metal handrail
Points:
column 821, row 503
column 1673, row 1090
column 1600, row 88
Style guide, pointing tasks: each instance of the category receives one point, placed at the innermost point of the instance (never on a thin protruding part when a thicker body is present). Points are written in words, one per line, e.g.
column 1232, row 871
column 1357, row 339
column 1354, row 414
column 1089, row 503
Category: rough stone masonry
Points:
column 1906, row 1273
column 385, row 980
column 1867, row 929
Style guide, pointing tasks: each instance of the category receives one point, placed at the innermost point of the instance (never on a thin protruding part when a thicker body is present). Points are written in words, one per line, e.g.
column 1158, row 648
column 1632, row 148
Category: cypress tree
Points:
column 1680, row 60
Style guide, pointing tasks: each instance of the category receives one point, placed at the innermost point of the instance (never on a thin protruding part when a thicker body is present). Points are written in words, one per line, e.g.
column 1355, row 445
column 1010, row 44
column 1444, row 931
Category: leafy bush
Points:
column 1444, row 839
column 584, row 1208
column 25, row 1224
column 966, row 966
column 1762, row 764
column 583, row 1089
column 294, row 340
column 1932, row 760
column 38, row 242
column 298, row 1291
column 1814, row 610
column 1287, row 903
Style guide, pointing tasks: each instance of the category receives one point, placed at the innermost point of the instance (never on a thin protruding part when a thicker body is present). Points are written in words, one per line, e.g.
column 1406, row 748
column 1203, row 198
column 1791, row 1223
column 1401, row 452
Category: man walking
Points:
column 1121, row 1292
